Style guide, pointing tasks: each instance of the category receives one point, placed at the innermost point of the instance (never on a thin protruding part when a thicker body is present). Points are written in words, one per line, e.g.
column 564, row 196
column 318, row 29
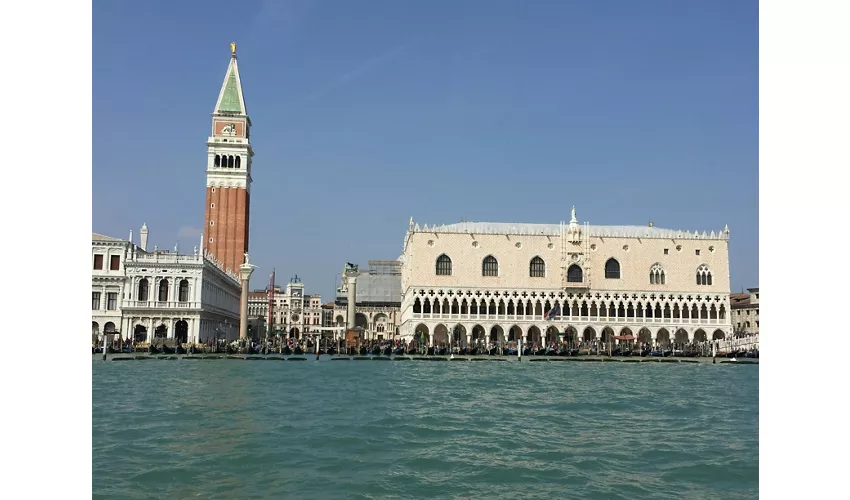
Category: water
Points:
column 418, row 429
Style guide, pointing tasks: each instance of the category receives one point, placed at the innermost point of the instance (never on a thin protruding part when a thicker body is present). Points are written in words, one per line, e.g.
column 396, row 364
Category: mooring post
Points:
column 105, row 336
column 519, row 349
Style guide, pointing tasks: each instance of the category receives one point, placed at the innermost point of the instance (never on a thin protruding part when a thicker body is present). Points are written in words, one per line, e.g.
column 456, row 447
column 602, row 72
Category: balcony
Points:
column 154, row 304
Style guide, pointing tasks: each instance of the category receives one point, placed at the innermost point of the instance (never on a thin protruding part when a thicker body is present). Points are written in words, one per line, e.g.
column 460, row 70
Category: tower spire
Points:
column 230, row 101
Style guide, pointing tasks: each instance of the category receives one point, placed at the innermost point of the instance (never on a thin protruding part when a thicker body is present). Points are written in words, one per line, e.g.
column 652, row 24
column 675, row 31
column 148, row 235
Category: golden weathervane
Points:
column 232, row 48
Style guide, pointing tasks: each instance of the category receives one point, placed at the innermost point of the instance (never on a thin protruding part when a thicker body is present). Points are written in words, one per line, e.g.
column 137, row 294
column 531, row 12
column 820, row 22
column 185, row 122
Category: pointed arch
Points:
column 703, row 275
column 657, row 275
column 417, row 306
column 444, row 265
column 575, row 274
column 612, row 269
column 490, row 266
column 537, row 268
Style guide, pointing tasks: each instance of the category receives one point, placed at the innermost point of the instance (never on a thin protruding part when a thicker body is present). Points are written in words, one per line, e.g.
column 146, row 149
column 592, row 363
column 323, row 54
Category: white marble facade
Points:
column 161, row 294
column 542, row 282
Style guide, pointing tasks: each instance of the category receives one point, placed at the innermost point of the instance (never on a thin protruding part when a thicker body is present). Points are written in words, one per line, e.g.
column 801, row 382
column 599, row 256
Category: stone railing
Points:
column 155, row 304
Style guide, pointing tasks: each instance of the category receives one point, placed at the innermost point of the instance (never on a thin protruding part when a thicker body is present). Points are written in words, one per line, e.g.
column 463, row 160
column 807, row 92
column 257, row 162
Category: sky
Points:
column 368, row 113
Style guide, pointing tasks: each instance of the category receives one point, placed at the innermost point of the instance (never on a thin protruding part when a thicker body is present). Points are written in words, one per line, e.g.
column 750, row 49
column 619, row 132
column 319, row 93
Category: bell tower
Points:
column 229, row 158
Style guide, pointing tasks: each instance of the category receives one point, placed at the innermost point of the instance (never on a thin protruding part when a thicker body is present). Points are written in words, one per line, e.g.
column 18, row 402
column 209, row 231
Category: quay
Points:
column 511, row 359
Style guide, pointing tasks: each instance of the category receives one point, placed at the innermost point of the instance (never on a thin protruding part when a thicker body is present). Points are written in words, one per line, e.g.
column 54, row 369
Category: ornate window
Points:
column 612, row 269
column 490, row 267
column 703, row 275
column 537, row 268
column 657, row 276
column 143, row 290
column 574, row 274
column 184, row 291
column 95, row 301
column 444, row 265
column 163, row 290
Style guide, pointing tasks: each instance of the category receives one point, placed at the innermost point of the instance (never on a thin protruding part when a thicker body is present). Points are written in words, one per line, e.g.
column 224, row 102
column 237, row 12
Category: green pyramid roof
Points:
column 230, row 98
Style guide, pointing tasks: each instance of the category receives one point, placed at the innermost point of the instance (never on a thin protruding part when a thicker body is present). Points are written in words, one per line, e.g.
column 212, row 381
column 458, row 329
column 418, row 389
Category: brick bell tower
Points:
column 229, row 155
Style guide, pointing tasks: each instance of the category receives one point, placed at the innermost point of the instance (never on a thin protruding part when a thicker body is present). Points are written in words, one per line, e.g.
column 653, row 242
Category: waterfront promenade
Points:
column 510, row 359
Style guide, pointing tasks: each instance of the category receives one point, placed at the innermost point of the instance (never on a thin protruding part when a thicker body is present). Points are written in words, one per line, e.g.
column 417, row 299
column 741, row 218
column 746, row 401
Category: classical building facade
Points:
column 551, row 282
column 160, row 294
column 745, row 312
column 294, row 313
column 378, row 299
column 108, row 278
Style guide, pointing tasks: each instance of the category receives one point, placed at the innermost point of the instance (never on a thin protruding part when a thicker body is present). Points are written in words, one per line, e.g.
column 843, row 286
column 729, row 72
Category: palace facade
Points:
column 569, row 281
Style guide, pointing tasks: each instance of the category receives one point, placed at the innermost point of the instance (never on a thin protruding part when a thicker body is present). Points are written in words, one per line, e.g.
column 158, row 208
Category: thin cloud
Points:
column 187, row 232
column 357, row 72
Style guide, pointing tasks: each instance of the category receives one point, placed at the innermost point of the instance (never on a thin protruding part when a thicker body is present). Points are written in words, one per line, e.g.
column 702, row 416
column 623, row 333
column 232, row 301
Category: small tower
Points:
column 229, row 155
column 143, row 237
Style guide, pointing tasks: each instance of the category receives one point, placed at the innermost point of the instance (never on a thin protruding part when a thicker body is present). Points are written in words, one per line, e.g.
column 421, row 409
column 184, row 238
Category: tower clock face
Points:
column 295, row 318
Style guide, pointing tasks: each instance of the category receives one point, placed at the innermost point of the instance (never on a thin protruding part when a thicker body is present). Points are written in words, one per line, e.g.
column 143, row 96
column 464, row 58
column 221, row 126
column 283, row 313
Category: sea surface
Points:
column 423, row 429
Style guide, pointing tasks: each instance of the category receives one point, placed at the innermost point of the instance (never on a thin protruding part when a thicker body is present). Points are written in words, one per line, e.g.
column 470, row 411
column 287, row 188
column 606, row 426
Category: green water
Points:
column 416, row 429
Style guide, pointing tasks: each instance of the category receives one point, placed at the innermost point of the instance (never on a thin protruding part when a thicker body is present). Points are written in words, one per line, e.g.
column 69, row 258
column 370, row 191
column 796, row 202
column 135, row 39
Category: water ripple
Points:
column 226, row 429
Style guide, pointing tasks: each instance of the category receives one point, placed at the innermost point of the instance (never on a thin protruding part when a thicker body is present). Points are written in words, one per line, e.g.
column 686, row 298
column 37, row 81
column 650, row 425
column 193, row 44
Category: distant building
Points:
column 378, row 301
column 328, row 314
column 745, row 312
column 160, row 294
column 294, row 313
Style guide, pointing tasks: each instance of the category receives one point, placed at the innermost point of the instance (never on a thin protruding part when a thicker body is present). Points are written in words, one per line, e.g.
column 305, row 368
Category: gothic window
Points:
column 444, row 265
column 417, row 306
column 703, row 275
column 574, row 274
column 537, row 268
column 230, row 162
column 217, row 161
column 163, row 290
column 657, row 276
column 143, row 290
column 612, row 269
column 238, row 161
column 184, row 291
column 490, row 267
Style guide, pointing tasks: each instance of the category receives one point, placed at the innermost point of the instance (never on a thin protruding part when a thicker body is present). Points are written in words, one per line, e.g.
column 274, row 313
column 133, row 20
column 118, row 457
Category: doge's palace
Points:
column 569, row 281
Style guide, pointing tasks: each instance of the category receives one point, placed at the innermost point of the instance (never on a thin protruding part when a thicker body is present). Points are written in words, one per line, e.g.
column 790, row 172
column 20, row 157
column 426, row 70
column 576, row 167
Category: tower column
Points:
column 352, row 299
column 245, row 271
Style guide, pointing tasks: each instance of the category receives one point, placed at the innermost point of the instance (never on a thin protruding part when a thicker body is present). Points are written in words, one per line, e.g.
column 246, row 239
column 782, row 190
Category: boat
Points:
column 153, row 350
column 180, row 349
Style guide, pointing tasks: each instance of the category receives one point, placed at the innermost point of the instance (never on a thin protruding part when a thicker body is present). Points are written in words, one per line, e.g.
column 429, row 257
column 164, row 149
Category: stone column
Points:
column 352, row 299
column 245, row 271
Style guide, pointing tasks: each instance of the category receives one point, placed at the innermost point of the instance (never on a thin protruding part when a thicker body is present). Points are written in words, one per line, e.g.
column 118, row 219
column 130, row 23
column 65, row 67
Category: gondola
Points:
column 230, row 350
column 153, row 350
column 376, row 351
column 387, row 351
column 298, row 350
column 398, row 351
column 180, row 349
column 97, row 350
column 286, row 350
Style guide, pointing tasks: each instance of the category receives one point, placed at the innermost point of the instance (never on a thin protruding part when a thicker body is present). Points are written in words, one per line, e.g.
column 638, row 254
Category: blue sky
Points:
column 367, row 113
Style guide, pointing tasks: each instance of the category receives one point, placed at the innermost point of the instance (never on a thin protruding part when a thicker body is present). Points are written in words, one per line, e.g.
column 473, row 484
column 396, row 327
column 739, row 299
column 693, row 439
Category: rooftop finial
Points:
column 233, row 49
column 573, row 215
